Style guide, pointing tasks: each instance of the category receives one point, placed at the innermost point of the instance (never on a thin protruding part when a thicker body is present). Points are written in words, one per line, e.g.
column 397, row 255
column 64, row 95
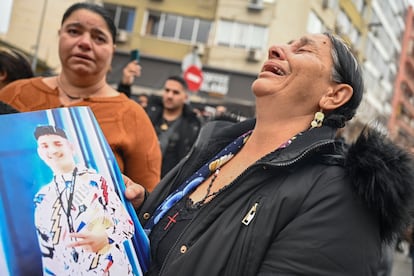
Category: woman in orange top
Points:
column 86, row 46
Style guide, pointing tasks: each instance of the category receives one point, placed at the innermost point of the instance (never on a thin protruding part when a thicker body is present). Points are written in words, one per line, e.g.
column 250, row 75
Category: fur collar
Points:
column 383, row 175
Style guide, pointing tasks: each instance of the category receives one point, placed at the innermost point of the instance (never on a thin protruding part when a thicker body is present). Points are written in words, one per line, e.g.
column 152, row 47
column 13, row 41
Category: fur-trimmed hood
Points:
column 383, row 176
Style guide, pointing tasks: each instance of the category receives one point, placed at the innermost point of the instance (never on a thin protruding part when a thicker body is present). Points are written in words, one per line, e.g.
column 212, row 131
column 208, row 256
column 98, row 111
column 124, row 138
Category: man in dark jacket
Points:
column 176, row 124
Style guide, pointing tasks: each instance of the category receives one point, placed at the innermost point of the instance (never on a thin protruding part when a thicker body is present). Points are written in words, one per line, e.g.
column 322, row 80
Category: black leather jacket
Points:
column 317, row 208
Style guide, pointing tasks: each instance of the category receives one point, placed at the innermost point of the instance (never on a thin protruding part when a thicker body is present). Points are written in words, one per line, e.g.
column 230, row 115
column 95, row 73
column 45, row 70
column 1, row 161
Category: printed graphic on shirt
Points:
column 62, row 204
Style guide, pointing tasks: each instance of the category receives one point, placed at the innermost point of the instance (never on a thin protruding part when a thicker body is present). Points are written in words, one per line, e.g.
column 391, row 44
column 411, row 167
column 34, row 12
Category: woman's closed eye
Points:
column 73, row 31
column 303, row 50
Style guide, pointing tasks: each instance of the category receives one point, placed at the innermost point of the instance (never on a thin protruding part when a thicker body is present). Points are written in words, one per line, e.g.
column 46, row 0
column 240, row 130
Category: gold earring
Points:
column 317, row 121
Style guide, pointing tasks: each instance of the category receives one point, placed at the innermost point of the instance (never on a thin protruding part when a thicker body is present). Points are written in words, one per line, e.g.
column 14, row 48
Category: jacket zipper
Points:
column 250, row 215
column 252, row 212
column 280, row 164
column 248, row 218
column 296, row 159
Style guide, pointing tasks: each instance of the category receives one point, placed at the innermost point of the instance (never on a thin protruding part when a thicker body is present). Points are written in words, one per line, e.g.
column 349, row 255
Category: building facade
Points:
column 401, row 121
column 381, row 59
column 229, row 40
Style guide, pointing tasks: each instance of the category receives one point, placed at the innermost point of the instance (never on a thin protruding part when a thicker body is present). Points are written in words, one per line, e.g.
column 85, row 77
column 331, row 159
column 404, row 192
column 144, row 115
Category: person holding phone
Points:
column 130, row 71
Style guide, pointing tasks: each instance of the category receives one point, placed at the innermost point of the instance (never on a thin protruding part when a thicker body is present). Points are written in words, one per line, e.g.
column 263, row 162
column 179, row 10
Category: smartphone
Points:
column 135, row 55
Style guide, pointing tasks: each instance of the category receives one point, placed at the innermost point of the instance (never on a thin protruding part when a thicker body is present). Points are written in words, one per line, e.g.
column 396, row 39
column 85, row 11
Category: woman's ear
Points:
column 339, row 95
column 3, row 76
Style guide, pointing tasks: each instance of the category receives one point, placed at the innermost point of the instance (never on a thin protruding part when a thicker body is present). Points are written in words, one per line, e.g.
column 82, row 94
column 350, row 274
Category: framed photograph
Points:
column 62, row 204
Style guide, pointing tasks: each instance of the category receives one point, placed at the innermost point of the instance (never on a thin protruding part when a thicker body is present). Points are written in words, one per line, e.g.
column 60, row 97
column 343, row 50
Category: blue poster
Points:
column 62, row 204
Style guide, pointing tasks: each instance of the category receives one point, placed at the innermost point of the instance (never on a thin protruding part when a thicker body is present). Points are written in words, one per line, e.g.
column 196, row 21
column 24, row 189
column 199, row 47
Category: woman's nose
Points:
column 276, row 52
column 85, row 41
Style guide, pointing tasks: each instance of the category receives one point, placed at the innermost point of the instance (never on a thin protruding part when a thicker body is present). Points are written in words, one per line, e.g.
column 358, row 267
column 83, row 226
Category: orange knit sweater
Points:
column 124, row 123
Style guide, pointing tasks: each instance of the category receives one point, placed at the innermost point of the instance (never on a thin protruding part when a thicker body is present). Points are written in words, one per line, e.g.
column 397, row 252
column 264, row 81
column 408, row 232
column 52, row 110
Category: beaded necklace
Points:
column 213, row 166
column 60, row 86
column 71, row 186
column 208, row 195
column 74, row 98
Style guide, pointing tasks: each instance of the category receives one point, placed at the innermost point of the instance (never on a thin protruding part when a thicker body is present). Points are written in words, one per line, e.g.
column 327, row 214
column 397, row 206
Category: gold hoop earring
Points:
column 318, row 120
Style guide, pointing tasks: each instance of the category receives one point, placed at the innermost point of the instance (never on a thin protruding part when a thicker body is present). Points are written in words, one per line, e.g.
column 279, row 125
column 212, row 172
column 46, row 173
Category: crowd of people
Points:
column 176, row 122
column 277, row 194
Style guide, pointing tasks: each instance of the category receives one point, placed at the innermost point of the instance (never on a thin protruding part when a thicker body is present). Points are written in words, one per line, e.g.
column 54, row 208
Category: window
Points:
column 382, row 36
column 170, row 26
column 378, row 61
column 331, row 4
column 343, row 22
column 224, row 33
column 258, row 37
column 354, row 36
column 360, row 5
column 153, row 24
column 241, row 35
column 391, row 17
column 187, row 28
column 203, row 30
column 178, row 27
column 123, row 16
column 238, row 31
column 314, row 23
column 255, row 4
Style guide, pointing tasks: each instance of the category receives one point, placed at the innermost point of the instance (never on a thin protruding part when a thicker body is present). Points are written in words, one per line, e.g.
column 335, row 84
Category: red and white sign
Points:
column 194, row 78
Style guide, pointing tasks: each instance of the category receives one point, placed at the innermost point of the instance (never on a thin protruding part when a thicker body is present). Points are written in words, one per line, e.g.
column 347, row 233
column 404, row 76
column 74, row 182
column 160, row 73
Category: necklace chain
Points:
column 60, row 87
column 208, row 194
column 70, row 199
column 64, row 92
column 67, row 212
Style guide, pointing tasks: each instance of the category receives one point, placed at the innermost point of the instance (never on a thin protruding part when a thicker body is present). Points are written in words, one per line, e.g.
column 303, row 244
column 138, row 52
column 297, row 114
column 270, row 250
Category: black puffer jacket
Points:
column 318, row 209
